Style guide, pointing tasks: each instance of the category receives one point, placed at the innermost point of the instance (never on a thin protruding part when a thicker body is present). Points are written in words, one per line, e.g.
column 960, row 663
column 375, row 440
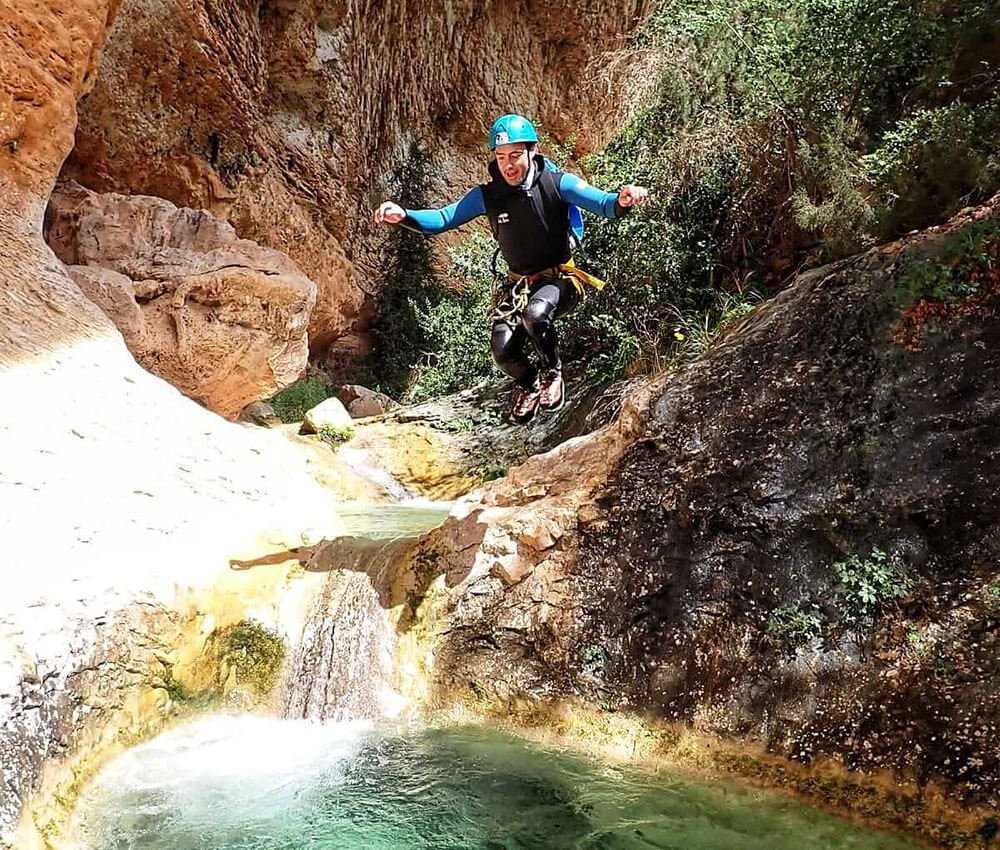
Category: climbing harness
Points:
column 511, row 291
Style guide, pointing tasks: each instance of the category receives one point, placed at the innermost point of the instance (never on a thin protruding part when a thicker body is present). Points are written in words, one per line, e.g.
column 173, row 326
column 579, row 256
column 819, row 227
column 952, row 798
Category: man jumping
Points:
column 528, row 203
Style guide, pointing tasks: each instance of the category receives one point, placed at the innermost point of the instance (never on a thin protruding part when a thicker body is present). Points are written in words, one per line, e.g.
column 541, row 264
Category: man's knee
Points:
column 502, row 344
column 537, row 315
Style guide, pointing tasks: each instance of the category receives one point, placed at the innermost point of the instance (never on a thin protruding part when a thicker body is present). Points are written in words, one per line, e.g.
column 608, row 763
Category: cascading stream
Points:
column 342, row 668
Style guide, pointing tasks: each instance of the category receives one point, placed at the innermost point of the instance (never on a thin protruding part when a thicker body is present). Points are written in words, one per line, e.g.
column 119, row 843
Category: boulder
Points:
column 260, row 413
column 327, row 414
column 221, row 318
column 361, row 401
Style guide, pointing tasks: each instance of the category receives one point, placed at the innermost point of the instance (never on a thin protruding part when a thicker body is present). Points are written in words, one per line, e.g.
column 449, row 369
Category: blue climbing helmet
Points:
column 510, row 129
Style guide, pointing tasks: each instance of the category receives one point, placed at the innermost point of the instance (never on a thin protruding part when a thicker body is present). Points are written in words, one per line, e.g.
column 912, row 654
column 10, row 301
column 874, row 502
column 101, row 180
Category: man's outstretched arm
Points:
column 608, row 204
column 435, row 221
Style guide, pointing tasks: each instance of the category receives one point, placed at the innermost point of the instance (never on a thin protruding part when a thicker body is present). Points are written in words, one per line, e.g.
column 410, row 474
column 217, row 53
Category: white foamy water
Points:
column 219, row 770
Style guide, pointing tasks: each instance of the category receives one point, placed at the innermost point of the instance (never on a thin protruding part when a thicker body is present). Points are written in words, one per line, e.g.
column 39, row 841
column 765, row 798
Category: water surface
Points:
column 393, row 521
column 256, row 784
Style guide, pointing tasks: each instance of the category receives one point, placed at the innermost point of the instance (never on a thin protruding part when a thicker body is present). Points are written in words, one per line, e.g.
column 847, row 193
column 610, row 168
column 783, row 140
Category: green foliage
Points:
column 795, row 625
column 933, row 157
column 775, row 135
column 830, row 199
column 408, row 278
column 920, row 644
column 455, row 329
column 594, row 660
column 868, row 583
column 335, row 435
column 429, row 340
column 292, row 403
column 255, row 652
column 950, row 275
column 843, row 120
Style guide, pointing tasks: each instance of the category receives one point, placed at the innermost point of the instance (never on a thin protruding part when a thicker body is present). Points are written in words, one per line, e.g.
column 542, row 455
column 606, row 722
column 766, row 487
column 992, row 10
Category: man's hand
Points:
column 389, row 213
column 631, row 196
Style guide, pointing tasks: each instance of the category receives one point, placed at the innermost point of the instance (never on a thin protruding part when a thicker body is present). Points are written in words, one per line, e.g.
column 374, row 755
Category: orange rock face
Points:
column 47, row 59
column 219, row 317
column 290, row 119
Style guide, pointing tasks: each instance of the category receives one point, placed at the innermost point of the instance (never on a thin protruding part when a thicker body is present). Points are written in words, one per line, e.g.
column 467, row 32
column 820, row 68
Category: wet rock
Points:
column 444, row 447
column 701, row 568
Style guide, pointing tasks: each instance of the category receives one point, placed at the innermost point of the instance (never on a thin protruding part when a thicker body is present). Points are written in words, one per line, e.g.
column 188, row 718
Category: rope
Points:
column 508, row 301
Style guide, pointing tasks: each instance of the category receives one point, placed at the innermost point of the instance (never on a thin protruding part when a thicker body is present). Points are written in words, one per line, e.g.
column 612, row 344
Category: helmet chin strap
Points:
column 530, row 175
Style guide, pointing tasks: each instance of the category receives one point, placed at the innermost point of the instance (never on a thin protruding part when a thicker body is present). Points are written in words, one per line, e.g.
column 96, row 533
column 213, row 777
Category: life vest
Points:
column 534, row 227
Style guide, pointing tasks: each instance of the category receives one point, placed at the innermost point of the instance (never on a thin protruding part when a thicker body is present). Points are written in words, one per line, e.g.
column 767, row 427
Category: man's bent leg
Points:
column 507, row 345
column 547, row 302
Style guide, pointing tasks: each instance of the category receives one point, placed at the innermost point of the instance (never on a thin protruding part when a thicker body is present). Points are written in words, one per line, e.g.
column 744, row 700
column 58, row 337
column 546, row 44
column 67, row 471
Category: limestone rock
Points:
column 361, row 401
column 221, row 318
column 327, row 414
column 48, row 55
column 153, row 494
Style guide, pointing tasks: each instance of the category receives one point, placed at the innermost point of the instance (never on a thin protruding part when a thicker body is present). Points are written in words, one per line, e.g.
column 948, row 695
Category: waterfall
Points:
column 342, row 668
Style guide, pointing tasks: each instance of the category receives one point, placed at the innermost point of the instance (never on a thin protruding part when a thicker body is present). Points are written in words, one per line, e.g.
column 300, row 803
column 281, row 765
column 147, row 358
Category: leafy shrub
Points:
column 795, row 625
column 429, row 339
column 334, row 435
column 254, row 651
column 292, row 403
column 956, row 271
column 867, row 583
column 932, row 158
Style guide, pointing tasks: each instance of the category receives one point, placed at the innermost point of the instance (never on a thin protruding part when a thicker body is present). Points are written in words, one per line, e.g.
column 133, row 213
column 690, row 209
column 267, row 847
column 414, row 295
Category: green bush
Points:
column 795, row 625
column 845, row 120
column 429, row 339
column 775, row 136
column 868, row 583
column 932, row 158
column 954, row 273
column 292, row 403
column 255, row 652
column 335, row 435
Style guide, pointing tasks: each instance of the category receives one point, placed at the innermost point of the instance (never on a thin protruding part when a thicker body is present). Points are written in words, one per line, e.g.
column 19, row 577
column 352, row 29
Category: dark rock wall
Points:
column 834, row 422
column 809, row 438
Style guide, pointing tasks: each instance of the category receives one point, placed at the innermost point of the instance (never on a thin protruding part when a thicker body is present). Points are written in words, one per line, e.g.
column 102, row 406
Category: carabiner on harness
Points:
column 508, row 297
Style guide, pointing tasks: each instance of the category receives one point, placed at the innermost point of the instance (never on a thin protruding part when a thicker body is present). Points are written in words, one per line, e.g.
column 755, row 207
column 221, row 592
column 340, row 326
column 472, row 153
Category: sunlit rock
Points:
column 221, row 318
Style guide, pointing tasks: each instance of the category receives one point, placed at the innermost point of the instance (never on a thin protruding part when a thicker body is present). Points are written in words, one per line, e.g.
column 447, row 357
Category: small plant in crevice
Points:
column 919, row 643
column 867, row 583
column 795, row 625
column 963, row 281
column 255, row 652
column 959, row 270
column 335, row 435
column 593, row 660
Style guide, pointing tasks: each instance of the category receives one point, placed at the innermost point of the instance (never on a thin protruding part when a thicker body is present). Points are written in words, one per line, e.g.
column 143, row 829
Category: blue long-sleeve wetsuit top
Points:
column 530, row 221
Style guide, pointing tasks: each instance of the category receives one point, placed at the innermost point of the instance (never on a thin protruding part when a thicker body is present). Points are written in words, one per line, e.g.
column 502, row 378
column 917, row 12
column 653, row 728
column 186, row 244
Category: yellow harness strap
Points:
column 580, row 277
column 577, row 275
